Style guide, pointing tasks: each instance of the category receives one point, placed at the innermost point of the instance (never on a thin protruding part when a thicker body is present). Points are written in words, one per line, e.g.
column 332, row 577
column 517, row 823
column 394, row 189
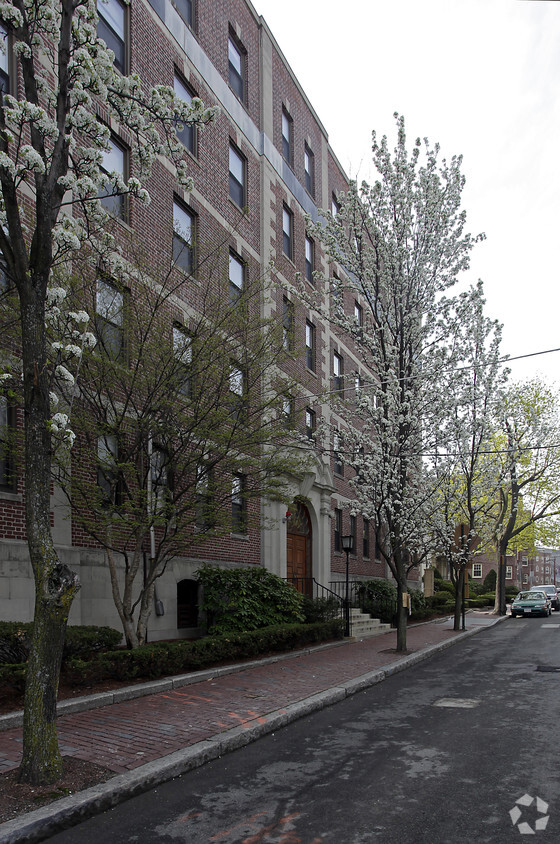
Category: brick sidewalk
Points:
column 125, row 735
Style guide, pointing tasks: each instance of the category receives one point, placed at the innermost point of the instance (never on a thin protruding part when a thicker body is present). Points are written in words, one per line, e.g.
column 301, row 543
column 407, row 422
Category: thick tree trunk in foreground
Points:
column 402, row 619
column 55, row 584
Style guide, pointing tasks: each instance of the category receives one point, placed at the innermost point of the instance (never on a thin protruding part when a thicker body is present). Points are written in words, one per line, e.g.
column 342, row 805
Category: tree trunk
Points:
column 41, row 762
column 402, row 619
column 458, row 599
column 55, row 584
column 500, row 603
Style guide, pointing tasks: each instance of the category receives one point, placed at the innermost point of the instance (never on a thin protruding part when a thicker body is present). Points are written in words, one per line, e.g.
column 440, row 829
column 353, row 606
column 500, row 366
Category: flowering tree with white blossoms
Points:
column 467, row 472
column 51, row 150
column 399, row 246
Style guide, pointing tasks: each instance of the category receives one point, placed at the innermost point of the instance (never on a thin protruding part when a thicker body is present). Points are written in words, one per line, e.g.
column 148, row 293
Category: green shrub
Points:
column 247, row 599
column 489, row 582
column 320, row 609
column 14, row 641
column 13, row 676
column 446, row 586
column 80, row 641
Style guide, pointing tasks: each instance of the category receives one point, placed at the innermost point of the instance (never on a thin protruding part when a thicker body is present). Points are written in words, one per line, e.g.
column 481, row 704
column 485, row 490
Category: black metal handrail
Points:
column 311, row 588
column 369, row 600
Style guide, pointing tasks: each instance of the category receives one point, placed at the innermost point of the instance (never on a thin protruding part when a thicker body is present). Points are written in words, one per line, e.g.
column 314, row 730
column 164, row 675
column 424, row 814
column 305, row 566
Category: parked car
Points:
column 531, row 603
column 552, row 593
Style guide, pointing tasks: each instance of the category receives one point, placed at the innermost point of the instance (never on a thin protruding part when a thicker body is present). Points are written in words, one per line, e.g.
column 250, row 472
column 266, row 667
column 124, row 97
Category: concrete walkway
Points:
column 150, row 733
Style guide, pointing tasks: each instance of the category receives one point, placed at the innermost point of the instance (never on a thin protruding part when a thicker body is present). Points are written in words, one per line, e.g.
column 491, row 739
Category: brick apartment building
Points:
column 267, row 153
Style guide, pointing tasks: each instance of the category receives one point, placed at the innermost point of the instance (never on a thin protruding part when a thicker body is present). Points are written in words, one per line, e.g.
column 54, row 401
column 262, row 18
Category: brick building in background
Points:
column 257, row 171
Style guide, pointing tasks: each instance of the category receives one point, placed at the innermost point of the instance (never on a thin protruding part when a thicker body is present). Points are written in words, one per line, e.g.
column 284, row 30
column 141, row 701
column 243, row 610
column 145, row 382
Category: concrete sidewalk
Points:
column 151, row 733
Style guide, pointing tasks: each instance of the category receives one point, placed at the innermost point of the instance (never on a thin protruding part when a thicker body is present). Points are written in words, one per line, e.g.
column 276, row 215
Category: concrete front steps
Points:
column 363, row 625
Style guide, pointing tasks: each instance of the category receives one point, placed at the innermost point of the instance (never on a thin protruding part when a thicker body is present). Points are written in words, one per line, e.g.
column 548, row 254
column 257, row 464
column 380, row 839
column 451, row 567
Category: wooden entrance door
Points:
column 298, row 551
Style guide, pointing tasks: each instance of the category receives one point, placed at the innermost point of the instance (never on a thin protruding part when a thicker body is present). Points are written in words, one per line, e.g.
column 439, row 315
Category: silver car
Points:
column 550, row 590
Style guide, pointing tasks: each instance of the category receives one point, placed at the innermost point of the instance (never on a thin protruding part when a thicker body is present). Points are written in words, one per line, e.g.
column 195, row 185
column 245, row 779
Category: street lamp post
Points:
column 347, row 546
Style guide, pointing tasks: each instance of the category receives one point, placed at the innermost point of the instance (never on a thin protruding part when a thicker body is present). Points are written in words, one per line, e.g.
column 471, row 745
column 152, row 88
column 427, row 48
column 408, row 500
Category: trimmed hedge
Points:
column 80, row 641
column 163, row 659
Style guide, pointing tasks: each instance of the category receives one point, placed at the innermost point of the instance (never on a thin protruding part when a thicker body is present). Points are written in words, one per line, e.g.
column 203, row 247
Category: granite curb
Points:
column 42, row 823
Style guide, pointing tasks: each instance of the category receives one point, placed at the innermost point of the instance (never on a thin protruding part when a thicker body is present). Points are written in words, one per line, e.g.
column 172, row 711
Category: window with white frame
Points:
column 236, row 276
column 5, row 56
column 309, row 259
column 238, row 504
column 237, row 176
column 7, row 434
column 113, row 166
column 236, row 67
column 477, row 570
column 309, row 169
column 508, row 572
column 287, row 130
column 287, row 232
column 185, row 132
column 111, row 28
column 310, row 345
column 110, row 319
column 183, row 237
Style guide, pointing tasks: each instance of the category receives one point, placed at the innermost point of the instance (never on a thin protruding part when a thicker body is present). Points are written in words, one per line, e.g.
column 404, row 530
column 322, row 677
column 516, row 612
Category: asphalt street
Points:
column 460, row 748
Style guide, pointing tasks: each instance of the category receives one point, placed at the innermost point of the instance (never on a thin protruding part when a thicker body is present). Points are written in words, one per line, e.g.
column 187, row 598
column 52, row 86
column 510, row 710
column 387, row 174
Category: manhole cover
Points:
column 548, row 669
column 457, row 702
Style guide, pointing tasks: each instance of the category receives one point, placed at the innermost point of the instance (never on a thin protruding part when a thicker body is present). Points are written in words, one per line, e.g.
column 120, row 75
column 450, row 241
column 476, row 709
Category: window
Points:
column 477, row 570
column 287, row 232
column 159, row 478
column 236, row 276
column 112, row 29
column 185, row 132
column 183, row 237
column 338, row 530
column 114, row 162
column 310, row 345
column 508, row 572
column 365, row 544
column 287, row 324
column 288, row 411
column 238, row 504
column 358, row 316
column 287, row 129
column 108, row 476
column 335, row 206
column 309, row 168
column 358, row 383
column 7, row 430
column 524, row 561
column 309, row 423
column 109, row 319
column 236, row 67
column 182, row 352
column 525, row 578
column 309, row 259
column 237, row 170
column 353, row 534
column 185, row 10
column 4, row 61
column 204, row 496
column 338, row 465
column 338, row 374
column 237, row 392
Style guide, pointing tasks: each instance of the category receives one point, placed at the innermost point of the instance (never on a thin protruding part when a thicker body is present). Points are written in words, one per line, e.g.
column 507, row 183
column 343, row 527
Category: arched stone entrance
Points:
column 299, row 559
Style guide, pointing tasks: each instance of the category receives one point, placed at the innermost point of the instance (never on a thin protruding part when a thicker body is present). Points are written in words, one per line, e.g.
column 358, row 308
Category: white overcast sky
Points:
column 480, row 77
